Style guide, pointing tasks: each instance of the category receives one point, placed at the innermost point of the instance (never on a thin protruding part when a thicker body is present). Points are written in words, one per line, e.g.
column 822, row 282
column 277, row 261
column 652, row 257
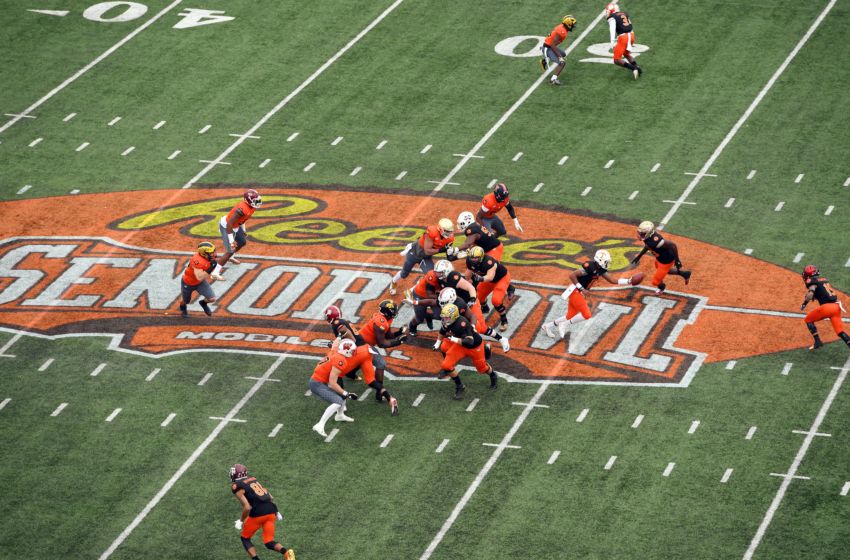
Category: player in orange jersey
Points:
column 423, row 298
column 378, row 333
column 435, row 240
column 232, row 226
column 830, row 306
column 581, row 280
column 491, row 204
column 461, row 340
column 491, row 277
column 325, row 382
column 622, row 38
column 258, row 511
column 476, row 234
column 552, row 54
column 666, row 256
column 201, row 267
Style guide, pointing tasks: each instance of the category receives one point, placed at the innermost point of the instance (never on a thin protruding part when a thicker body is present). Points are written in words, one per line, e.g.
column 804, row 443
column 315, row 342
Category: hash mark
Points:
column 292, row 137
column 442, row 446
column 563, row 160
column 97, row 370
column 798, row 257
column 847, row 182
column 748, row 251
column 69, row 117
column 128, row 150
column 637, row 421
column 206, row 128
column 365, row 394
column 726, row 476
column 582, row 415
column 46, row 364
column 799, row 178
column 158, row 125
column 425, row 149
column 401, row 175
column 585, row 191
column 264, row 163
column 4, row 403
column 829, row 210
column 609, row 164
column 204, row 379
column 751, row 174
column 472, row 405
column 381, row 145
column 538, row 187
column 275, row 430
column 82, row 146
column 731, row 364
column 75, row 191
column 517, row 156
column 113, row 121
column 24, row 189
column 610, row 462
column 310, row 166
column 35, row 142
column 845, row 489
column 668, row 469
column 387, row 440
column 787, row 368
column 655, row 168
column 356, row 171
column 751, row 432
column 694, row 426
column 633, row 195
column 553, row 457
column 152, row 374
column 337, row 141
column 418, row 400
column 729, row 203
column 59, row 409
column 168, row 419
column 174, row 154
column 332, row 435
column 112, row 416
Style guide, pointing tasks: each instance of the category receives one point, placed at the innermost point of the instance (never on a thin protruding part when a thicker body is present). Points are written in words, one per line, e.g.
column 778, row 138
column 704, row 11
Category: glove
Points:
column 347, row 395
column 238, row 524
column 461, row 254
column 438, row 344
column 477, row 278
column 279, row 516
column 636, row 259
column 454, row 339
column 517, row 226
column 678, row 264
column 216, row 276
column 803, row 306
column 451, row 251
column 471, row 301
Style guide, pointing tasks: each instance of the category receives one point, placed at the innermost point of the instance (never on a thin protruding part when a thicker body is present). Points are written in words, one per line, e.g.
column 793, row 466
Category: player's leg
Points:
column 482, row 291
column 241, row 240
column 207, row 296
column 268, row 536
column 327, row 394
column 833, row 311
column 811, row 318
column 248, row 529
column 186, row 292
column 479, row 360
column 661, row 271
column 454, row 353
column 577, row 311
column 497, row 252
column 411, row 258
column 500, row 290
column 225, row 242
column 557, row 56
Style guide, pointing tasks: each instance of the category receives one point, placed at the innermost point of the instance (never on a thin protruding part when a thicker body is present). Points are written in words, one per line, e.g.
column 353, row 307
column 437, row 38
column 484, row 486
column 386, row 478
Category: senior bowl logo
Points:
column 117, row 273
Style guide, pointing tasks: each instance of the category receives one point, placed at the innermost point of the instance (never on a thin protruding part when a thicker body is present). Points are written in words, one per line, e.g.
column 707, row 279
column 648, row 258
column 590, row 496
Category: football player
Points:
column 232, row 226
column 830, row 307
column 552, row 54
column 580, row 281
column 476, row 235
column 258, row 511
column 666, row 256
column 490, row 206
column 435, row 240
column 622, row 38
column 460, row 340
column 449, row 295
column 423, row 298
column 365, row 359
column 195, row 278
column 324, row 383
column 491, row 277
column 378, row 332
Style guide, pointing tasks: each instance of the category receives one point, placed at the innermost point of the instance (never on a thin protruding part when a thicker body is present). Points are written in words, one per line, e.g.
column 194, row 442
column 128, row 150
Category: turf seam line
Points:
column 285, row 101
column 743, row 118
column 801, row 453
column 447, row 525
column 188, row 463
column 90, row 65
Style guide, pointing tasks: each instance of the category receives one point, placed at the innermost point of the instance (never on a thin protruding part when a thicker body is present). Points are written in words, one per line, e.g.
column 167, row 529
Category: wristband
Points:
column 624, row 281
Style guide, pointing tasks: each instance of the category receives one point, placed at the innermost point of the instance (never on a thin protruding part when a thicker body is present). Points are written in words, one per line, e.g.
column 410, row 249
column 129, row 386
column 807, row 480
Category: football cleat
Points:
column 555, row 81
column 393, row 289
column 602, row 258
column 687, row 276
column 562, row 328
column 635, row 73
column 341, row 417
column 503, row 323
column 290, row 555
column 543, row 64
column 494, row 379
column 506, row 344
column 183, row 311
column 484, row 307
column 639, row 69
column 393, row 406
column 459, row 391
column 816, row 345
column 206, row 308
column 319, row 429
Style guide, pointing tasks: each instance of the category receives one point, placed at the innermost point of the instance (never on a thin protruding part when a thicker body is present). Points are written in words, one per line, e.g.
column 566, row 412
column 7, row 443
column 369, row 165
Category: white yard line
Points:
column 83, row 146
column 756, row 102
column 190, row 461
column 310, row 166
column 633, row 195
column 497, row 452
column 128, row 150
column 336, row 141
column 798, row 257
column 285, row 101
column 89, row 66
column 537, row 187
column 801, row 453
column 206, row 128
column 264, row 163
column 522, row 99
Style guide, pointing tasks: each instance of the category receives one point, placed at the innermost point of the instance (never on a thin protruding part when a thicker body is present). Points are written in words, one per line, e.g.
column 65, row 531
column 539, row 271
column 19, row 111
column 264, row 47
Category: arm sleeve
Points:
column 612, row 26
column 510, row 208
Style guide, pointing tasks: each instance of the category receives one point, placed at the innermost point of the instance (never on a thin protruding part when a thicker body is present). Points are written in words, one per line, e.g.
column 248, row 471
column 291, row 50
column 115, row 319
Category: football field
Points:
column 691, row 424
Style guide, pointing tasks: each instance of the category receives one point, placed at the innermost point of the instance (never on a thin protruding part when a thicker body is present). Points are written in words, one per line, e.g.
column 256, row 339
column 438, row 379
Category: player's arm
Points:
column 470, row 241
column 675, row 249
column 574, row 283
column 512, row 213
column 642, row 253
column 466, row 286
column 246, row 507
column 385, row 342
column 429, row 247
column 624, row 281
column 482, row 213
column 229, row 226
column 344, row 331
column 810, row 295
column 612, row 28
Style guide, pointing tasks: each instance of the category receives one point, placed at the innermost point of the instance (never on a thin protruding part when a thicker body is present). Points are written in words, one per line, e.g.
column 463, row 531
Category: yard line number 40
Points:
column 117, row 12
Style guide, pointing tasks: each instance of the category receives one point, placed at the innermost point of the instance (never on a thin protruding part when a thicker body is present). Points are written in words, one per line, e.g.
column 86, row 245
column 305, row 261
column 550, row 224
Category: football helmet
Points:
column 810, row 270
column 500, row 191
column 569, row 22
column 447, row 229
column 388, row 309
column 443, row 268
column 347, row 347
column 611, row 8
column 449, row 314
column 238, row 471
column 464, row 220
column 253, row 198
column 207, row 250
column 603, row 258
column 332, row 312
column 645, row 229
column 447, row 296
column 475, row 253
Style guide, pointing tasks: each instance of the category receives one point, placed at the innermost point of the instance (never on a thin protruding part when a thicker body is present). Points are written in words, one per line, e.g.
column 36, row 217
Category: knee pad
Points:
column 246, row 543
column 271, row 544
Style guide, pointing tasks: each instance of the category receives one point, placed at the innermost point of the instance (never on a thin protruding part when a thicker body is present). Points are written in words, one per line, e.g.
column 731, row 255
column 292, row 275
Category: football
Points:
column 637, row 278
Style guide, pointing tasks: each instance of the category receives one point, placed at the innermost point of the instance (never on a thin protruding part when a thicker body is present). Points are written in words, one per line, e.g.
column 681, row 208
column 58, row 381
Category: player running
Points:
column 195, row 279
column 232, row 226
column 581, row 281
column 258, row 511
column 435, row 240
column 476, row 235
column 490, row 206
column 666, row 256
column 491, row 277
column 830, row 306
column 552, row 54
column 324, row 383
column 622, row 38
column 460, row 340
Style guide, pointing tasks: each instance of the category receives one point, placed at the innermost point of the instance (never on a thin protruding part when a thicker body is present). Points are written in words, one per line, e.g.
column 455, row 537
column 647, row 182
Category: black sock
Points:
column 456, row 379
column 845, row 337
column 629, row 65
column 493, row 334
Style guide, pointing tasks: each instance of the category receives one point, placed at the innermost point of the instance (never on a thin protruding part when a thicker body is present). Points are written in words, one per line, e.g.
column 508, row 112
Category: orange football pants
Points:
column 480, row 322
column 577, row 304
column 496, row 252
column 831, row 311
column 252, row 525
column 363, row 359
column 499, row 289
column 621, row 49
column 456, row 352
column 661, row 270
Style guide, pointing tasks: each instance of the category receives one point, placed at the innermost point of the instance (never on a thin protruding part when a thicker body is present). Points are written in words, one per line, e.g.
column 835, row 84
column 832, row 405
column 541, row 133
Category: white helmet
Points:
column 447, row 296
column 443, row 268
column 602, row 258
column 645, row 229
column 464, row 220
column 347, row 347
column 446, row 227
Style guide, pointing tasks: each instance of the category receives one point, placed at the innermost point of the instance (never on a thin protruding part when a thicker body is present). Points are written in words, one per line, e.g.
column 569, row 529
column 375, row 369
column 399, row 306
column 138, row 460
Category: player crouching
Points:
column 325, row 383
column 195, row 279
column 457, row 339
column 830, row 307
column 258, row 511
